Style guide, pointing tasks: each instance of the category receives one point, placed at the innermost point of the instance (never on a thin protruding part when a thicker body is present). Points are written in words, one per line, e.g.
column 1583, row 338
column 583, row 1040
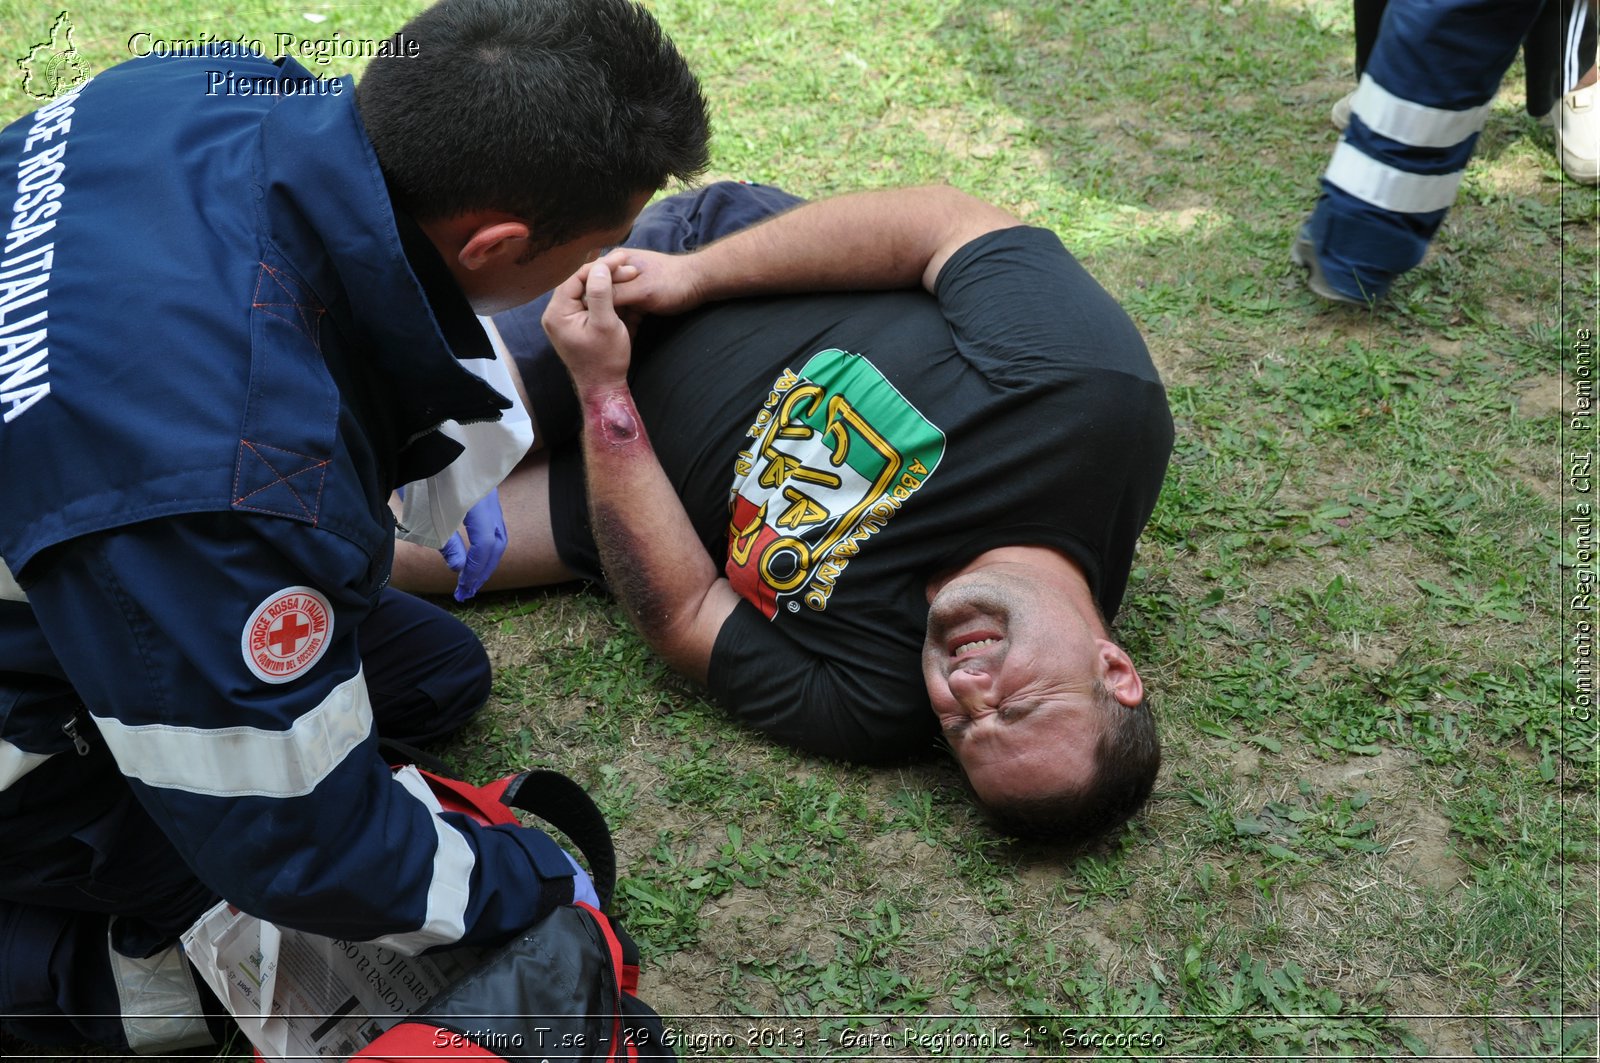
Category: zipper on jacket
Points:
column 70, row 729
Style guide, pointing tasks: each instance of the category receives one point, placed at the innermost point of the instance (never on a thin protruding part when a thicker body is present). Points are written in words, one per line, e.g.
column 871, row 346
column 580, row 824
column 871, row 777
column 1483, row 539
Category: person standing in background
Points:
column 1428, row 75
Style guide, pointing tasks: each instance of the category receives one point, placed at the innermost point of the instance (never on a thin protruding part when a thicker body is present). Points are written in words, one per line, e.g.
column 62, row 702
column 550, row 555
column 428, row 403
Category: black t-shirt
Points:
column 835, row 451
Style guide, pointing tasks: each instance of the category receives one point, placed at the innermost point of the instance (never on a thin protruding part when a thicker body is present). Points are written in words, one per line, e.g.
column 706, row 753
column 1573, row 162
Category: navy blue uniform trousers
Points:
column 109, row 874
column 1426, row 85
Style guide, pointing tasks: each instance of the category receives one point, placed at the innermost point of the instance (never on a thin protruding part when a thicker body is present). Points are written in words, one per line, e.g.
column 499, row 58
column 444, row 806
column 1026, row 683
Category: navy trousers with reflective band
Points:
column 1424, row 93
column 108, row 878
column 1558, row 50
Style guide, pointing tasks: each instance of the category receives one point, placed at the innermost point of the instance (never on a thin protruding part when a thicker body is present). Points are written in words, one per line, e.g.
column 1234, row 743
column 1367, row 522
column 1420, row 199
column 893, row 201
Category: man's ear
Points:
column 1118, row 674
column 493, row 242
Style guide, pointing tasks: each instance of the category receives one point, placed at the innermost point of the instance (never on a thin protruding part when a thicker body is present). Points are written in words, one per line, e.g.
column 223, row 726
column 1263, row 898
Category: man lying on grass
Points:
column 836, row 499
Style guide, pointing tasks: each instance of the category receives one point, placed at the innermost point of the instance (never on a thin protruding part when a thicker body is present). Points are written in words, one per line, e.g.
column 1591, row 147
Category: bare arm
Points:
column 897, row 238
column 654, row 563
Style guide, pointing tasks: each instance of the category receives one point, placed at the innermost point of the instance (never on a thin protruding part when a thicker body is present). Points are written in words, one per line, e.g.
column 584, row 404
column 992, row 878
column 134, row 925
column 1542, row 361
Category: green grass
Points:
column 1375, row 836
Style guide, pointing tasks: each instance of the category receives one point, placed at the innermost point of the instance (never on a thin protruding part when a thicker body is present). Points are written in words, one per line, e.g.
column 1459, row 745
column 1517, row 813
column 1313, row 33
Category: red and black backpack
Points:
column 566, row 988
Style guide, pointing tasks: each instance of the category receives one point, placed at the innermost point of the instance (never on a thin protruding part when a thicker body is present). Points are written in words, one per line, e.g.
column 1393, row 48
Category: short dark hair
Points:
column 1127, row 756
column 560, row 112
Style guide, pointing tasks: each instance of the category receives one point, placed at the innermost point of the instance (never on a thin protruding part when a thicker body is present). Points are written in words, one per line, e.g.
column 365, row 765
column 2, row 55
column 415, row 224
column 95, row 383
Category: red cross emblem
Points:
column 287, row 634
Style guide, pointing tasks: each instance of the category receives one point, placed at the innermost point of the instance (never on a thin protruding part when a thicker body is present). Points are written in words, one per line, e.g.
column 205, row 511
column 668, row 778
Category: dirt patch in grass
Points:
column 963, row 135
column 1414, row 831
column 687, row 985
column 1430, row 1022
column 1540, row 396
column 1424, row 836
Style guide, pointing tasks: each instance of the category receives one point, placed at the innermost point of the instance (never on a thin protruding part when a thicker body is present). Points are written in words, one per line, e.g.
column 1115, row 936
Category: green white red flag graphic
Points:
column 833, row 455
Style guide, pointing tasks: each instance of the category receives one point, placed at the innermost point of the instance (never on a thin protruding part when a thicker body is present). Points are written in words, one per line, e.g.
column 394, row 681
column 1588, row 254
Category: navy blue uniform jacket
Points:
column 216, row 361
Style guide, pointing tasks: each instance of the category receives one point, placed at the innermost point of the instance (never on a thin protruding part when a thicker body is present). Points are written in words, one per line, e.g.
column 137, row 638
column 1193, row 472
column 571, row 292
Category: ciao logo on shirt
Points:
column 831, row 457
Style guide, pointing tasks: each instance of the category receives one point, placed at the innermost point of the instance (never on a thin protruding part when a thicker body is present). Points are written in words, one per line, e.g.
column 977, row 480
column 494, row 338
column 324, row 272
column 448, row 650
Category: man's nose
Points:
column 971, row 689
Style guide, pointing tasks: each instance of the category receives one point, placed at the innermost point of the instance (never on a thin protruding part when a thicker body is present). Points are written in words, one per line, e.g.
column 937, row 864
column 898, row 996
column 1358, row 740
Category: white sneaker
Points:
column 1576, row 121
column 1341, row 110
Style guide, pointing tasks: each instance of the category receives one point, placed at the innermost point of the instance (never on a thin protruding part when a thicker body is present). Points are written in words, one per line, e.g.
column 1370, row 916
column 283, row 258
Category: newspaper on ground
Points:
column 302, row 996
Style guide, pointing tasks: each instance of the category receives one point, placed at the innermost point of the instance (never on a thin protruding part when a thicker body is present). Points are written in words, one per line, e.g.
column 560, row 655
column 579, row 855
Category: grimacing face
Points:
column 1011, row 670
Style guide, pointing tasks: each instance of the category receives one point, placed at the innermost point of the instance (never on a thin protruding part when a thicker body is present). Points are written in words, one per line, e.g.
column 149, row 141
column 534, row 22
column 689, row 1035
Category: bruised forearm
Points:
column 653, row 560
column 656, row 565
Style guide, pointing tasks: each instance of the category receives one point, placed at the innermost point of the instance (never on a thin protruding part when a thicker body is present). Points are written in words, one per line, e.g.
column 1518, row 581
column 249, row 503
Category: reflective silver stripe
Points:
column 15, row 763
column 451, row 885
column 245, row 761
column 1384, row 186
column 9, row 590
column 161, row 1009
column 1414, row 123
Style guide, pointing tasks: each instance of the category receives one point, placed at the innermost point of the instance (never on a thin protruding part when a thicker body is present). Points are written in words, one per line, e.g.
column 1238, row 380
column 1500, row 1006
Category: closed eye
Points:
column 1013, row 713
column 955, row 727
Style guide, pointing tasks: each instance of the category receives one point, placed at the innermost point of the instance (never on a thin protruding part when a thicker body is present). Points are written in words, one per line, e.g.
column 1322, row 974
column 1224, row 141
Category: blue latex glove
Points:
column 582, row 884
column 486, row 528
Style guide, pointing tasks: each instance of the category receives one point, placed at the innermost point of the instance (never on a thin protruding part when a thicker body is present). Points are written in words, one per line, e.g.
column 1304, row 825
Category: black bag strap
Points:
column 562, row 803
column 394, row 752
